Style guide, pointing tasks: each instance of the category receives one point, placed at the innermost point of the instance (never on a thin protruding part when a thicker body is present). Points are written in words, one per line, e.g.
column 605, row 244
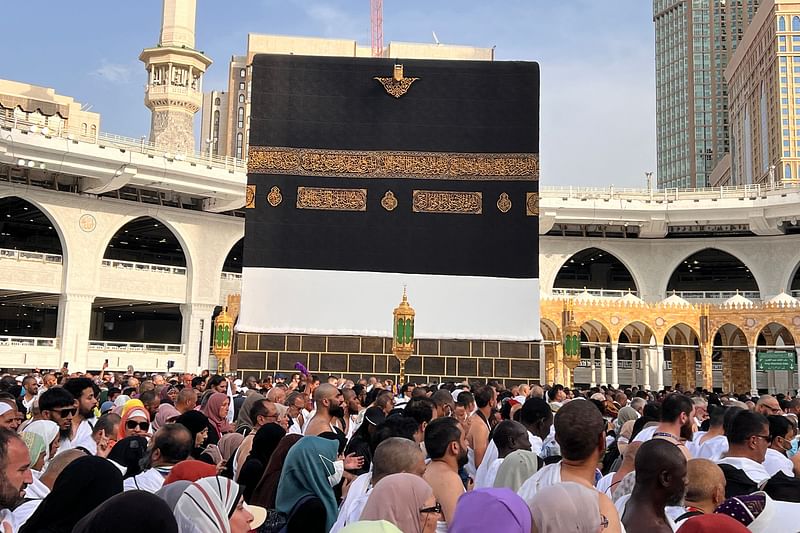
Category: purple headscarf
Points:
column 491, row 510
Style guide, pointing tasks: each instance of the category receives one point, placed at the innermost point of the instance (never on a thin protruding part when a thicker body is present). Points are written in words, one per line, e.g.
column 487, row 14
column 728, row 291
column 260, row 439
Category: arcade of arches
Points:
column 670, row 334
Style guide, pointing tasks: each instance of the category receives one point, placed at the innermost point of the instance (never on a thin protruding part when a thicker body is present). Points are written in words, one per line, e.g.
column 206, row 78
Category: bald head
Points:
column 325, row 392
column 58, row 464
column 660, row 473
column 768, row 405
column 396, row 455
column 706, row 481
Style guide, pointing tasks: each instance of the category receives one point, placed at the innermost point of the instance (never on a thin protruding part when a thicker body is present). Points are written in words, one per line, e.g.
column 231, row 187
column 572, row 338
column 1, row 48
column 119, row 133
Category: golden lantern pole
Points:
column 403, row 334
column 572, row 340
column 223, row 339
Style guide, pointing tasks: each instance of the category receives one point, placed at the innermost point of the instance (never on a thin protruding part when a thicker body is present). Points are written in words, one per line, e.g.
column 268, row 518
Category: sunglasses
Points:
column 67, row 411
column 435, row 509
column 132, row 424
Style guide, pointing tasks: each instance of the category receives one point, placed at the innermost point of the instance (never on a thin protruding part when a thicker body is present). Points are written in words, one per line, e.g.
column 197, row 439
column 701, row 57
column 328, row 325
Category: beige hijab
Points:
column 516, row 469
column 397, row 498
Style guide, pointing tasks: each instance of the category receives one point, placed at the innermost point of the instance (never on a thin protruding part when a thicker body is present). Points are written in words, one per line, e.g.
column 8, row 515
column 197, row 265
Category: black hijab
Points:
column 265, row 441
column 128, row 453
column 195, row 422
column 84, row 484
column 134, row 511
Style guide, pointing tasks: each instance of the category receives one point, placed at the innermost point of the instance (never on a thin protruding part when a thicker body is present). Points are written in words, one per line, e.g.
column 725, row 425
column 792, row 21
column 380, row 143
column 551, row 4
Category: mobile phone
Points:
column 66, row 364
column 106, row 361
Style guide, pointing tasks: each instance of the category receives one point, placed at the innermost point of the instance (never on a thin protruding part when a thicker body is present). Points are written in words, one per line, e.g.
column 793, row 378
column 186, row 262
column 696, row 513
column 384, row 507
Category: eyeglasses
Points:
column 67, row 411
column 435, row 509
column 133, row 424
column 765, row 437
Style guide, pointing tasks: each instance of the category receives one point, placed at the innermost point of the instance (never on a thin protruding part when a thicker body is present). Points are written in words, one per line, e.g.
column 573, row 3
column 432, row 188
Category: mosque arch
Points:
column 775, row 334
column 595, row 268
column 27, row 226
column 148, row 240
column 781, row 24
column 795, row 23
column 233, row 261
column 712, row 267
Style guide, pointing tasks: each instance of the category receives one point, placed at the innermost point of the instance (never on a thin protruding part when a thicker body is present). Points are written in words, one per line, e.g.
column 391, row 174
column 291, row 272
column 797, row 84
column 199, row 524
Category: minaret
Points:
column 174, row 79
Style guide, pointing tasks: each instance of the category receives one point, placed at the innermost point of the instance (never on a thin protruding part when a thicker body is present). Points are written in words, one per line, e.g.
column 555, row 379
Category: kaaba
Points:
column 371, row 176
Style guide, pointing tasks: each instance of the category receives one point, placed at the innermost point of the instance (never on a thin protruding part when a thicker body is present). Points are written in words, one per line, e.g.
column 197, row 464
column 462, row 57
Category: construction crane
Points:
column 376, row 23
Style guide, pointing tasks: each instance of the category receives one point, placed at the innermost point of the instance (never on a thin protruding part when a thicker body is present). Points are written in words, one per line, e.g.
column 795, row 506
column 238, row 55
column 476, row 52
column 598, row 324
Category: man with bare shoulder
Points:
column 447, row 447
column 479, row 427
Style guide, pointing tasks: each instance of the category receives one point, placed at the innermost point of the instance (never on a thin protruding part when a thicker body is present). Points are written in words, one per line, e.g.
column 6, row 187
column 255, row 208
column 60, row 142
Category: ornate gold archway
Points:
column 735, row 323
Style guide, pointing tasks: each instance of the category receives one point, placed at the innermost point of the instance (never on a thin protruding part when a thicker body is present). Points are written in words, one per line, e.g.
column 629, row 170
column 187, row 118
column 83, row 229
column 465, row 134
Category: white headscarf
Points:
column 205, row 505
column 48, row 430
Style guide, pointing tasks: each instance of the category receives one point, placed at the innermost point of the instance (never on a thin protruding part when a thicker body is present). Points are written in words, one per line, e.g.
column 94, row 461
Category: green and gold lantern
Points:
column 223, row 339
column 403, row 334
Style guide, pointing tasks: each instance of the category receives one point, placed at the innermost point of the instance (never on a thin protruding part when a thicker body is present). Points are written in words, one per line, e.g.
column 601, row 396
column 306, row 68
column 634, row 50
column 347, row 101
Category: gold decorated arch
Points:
column 603, row 320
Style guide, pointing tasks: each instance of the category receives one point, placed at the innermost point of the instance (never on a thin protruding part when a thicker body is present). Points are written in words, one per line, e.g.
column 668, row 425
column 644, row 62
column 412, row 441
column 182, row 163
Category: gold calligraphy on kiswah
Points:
column 383, row 164
column 332, row 199
column 457, row 202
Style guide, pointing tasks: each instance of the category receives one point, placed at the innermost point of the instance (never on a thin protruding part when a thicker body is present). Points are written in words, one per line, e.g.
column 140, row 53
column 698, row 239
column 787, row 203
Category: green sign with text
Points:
column 776, row 361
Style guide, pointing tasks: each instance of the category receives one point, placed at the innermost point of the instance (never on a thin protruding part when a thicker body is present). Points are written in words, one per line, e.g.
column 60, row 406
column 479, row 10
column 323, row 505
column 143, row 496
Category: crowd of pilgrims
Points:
column 210, row 454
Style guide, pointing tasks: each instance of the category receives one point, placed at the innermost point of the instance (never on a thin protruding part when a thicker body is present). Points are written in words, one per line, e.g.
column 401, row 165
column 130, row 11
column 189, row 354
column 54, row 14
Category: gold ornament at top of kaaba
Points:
column 398, row 84
column 389, row 201
column 274, row 197
column 504, row 203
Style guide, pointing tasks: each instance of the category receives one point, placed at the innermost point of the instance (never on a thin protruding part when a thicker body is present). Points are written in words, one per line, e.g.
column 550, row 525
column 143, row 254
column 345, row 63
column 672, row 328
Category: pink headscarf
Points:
column 211, row 410
column 165, row 413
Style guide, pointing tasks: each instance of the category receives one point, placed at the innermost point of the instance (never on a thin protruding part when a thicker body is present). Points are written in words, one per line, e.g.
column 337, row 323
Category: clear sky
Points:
column 596, row 57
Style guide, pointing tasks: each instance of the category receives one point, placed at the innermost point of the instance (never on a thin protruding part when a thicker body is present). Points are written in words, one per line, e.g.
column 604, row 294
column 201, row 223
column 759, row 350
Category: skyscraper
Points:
column 694, row 41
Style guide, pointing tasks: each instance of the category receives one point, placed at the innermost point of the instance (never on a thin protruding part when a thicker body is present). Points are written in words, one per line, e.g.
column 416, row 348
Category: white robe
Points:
column 486, row 476
column 775, row 462
column 752, row 469
column 150, row 480
column 354, row 503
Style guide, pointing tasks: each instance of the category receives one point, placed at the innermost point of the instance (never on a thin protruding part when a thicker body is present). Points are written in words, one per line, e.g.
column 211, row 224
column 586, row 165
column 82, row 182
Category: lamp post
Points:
column 571, row 341
column 223, row 339
column 403, row 334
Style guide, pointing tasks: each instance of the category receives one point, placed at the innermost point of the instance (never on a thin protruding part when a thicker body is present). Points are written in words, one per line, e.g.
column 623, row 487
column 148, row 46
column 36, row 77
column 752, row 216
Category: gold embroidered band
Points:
column 467, row 203
column 374, row 164
column 332, row 199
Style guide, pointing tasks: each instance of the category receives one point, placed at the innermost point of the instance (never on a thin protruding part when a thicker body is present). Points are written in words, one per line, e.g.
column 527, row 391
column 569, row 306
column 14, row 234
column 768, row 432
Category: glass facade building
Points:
column 694, row 41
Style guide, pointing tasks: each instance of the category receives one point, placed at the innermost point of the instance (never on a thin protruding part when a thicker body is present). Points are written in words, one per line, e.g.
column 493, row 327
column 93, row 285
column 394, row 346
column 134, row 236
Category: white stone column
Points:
column 797, row 373
column 771, row 386
column 634, row 382
column 646, row 368
column 659, row 367
column 603, row 376
column 196, row 335
column 74, row 323
column 593, row 372
column 614, row 365
column 753, row 380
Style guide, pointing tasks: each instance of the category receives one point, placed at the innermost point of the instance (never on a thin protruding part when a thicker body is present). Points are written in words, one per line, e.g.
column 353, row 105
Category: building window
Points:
column 239, row 140
column 795, row 23
column 216, row 101
column 787, row 171
column 243, row 72
column 240, row 119
column 241, row 86
column 781, row 24
column 241, row 98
